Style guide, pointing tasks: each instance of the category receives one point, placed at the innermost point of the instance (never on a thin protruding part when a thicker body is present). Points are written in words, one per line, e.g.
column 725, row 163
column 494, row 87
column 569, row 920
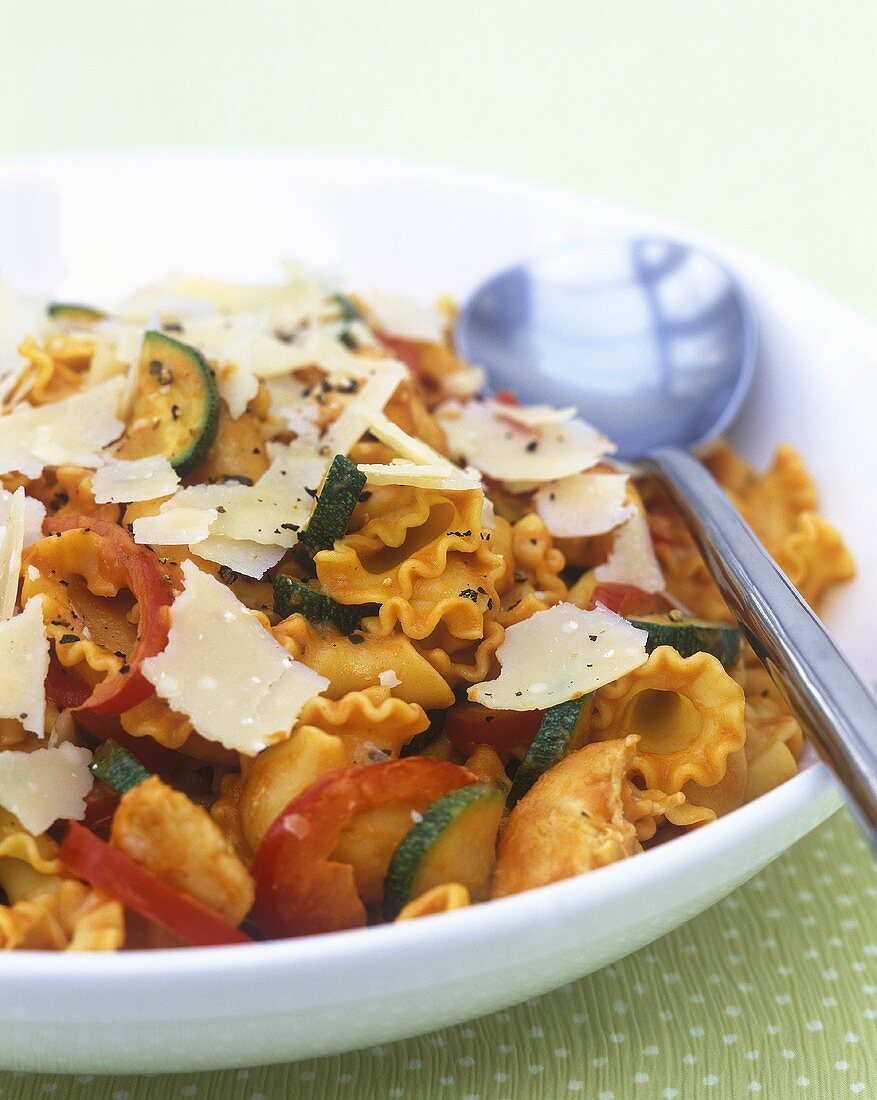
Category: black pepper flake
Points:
column 488, row 717
column 124, row 668
column 311, row 492
column 175, row 412
column 356, row 639
column 532, row 445
column 461, row 534
column 118, row 653
column 172, row 326
column 227, row 575
column 289, row 526
column 469, row 594
column 164, row 374
column 257, row 450
column 489, row 603
column 593, row 637
column 365, row 495
column 23, row 716
column 518, row 694
column 68, row 639
column 350, row 386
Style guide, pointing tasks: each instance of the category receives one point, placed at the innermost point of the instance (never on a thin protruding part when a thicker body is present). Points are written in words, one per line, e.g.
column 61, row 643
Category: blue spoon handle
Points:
column 834, row 706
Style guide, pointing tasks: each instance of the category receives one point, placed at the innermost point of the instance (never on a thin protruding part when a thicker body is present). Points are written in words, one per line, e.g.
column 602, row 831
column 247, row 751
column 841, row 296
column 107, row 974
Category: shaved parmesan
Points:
column 122, row 481
column 424, row 477
column 11, row 545
column 237, row 387
column 294, row 464
column 405, row 445
column 176, row 527
column 584, row 504
column 373, row 395
column 34, row 514
column 259, row 513
column 224, row 671
column 560, row 654
column 46, row 785
column 531, row 416
column 24, row 663
column 242, row 555
column 484, row 435
column 398, row 316
column 632, row 558
column 72, row 432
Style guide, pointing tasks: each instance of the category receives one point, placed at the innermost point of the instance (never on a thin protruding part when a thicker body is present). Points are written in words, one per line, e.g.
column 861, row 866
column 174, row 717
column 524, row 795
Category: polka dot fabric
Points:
column 772, row 994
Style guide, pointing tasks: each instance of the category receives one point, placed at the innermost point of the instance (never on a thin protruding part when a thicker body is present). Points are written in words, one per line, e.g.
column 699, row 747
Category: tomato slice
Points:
column 143, row 577
column 299, row 889
column 627, row 599
column 409, row 352
column 121, row 878
column 467, row 727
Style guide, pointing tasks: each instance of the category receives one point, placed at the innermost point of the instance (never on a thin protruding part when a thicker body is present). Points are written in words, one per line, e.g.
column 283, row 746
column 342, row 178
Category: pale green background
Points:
column 753, row 119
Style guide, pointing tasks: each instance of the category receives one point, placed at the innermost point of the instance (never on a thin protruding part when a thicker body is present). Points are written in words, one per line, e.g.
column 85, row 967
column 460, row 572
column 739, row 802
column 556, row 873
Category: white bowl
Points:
column 93, row 227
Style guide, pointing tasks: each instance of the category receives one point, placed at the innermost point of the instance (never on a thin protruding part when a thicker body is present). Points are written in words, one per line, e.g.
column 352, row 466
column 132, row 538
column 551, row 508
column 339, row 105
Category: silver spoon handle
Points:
column 834, row 706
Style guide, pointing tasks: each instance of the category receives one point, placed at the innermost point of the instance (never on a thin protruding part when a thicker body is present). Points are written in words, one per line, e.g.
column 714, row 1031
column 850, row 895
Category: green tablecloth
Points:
column 771, row 994
column 755, row 120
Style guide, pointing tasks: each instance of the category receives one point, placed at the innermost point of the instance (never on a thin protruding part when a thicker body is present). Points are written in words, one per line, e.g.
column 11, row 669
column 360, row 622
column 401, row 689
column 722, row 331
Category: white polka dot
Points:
column 397, row 1091
column 688, row 1059
column 851, row 1037
column 471, row 1096
column 803, row 1082
column 500, row 1077
column 641, row 1078
column 671, row 977
column 561, row 1052
column 258, row 1096
column 307, row 1075
column 753, row 1055
column 87, row 1078
column 468, row 1032
column 379, row 1052
column 437, row 1041
column 842, row 1065
column 783, row 999
column 830, row 975
column 617, row 1037
column 446, row 1081
column 345, row 1078
column 242, row 1074
column 772, row 1029
column 696, row 1032
column 620, row 1008
column 754, row 1086
column 788, row 1054
column 732, row 1010
column 536, row 1033
column 536, row 1069
column 574, row 1086
column 651, row 1051
column 829, row 1002
column 415, row 1063
column 121, row 1094
column 50, row 1086
column 696, row 998
column 466, row 1060
column 189, row 1090
column 857, row 1086
column 579, row 1017
column 665, row 1014
column 745, row 987
column 729, row 1039
column 711, row 1079
column 607, row 1096
column 505, row 1048
column 670, row 1094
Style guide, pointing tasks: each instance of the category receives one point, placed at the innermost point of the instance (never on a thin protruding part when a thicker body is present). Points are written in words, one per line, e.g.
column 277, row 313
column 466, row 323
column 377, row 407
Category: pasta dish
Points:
column 303, row 628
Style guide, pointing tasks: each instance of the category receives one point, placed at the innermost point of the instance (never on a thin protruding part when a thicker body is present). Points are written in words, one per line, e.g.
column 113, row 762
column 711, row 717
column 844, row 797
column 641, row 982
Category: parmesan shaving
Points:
column 225, row 672
column 398, row 316
column 46, row 785
column 242, row 555
column 560, row 654
column 123, row 481
column 584, row 504
column 11, row 545
column 72, row 431
column 445, row 477
column 632, row 558
column 176, row 527
column 483, row 434
column 24, row 663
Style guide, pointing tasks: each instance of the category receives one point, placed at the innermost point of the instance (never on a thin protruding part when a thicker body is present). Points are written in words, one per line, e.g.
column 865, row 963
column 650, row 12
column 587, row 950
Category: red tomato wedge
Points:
column 627, row 600
column 410, row 353
column 299, row 889
column 121, row 878
column 466, row 727
column 143, row 577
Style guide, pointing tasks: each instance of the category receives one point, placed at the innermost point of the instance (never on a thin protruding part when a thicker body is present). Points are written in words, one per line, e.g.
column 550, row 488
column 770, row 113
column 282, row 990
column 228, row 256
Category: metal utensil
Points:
column 656, row 343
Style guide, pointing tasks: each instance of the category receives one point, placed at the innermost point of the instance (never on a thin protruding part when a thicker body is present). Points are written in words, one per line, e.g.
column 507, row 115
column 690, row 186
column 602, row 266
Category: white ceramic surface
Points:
column 92, row 227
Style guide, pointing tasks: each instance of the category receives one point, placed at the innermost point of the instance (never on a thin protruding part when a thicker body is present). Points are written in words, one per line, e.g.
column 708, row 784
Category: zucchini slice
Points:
column 117, row 767
column 690, row 636
column 455, row 841
column 563, row 728
column 175, row 408
column 421, row 742
column 291, row 597
column 331, row 515
column 73, row 313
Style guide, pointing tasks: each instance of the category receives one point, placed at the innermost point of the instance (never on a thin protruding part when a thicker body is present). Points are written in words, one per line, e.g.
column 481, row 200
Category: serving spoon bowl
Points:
column 656, row 343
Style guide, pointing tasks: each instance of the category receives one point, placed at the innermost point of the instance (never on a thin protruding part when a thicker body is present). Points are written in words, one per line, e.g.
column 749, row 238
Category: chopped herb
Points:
column 469, row 594
column 227, row 575
column 68, row 639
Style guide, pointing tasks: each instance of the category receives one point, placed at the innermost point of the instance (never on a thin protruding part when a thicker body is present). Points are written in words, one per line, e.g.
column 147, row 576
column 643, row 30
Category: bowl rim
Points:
column 811, row 787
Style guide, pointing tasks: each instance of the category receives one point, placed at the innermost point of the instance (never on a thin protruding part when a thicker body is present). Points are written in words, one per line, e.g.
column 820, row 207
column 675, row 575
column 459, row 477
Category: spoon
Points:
column 656, row 343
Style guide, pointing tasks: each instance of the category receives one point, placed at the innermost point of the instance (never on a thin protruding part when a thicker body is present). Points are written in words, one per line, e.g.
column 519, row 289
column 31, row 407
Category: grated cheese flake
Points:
column 11, row 545
column 34, row 514
column 482, row 433
column 560, row 654
column 584, row 504
column 632, row 558
column 71, row 432
column 262, row 689
column 46, row 785
column 24, row 664
column 175, row 527
column 402, row 317
column 242, row 555
column 123, row 481
column 446, row 476
column 389, row 679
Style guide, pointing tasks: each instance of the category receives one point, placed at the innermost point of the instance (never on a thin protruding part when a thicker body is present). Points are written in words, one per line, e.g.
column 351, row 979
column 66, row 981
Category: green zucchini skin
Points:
column 74, row 313
column 175, row 411
column 560, row 731
column 689, row 636
column 334, row 506
column 292, row 597
column 447, row 814
column 117, row 767
column 429, row 736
